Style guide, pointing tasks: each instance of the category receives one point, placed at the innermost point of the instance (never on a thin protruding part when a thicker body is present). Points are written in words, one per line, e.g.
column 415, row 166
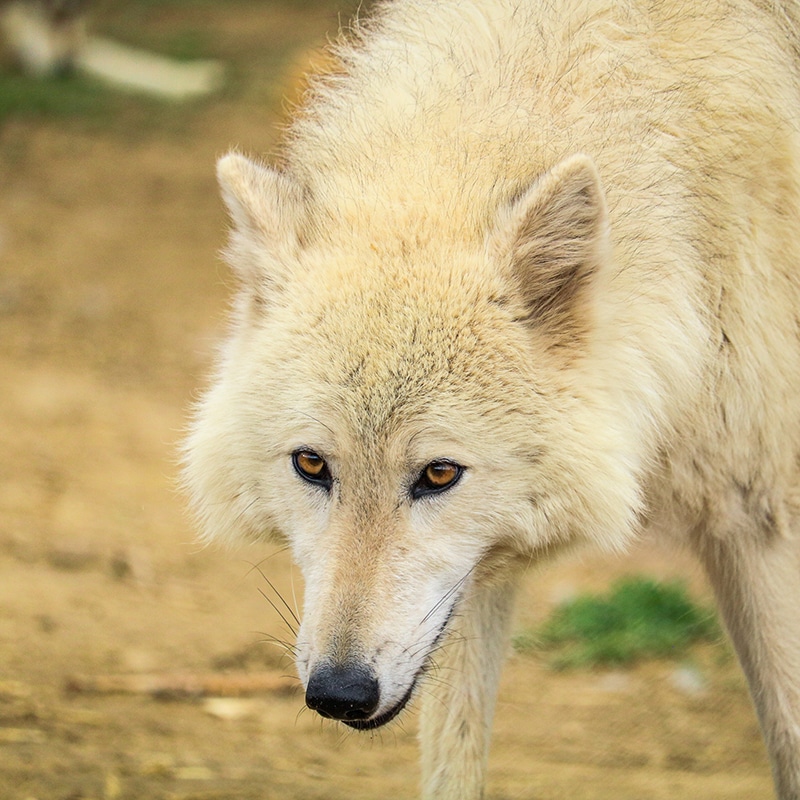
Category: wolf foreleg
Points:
column 458, row 705
column 756, row 578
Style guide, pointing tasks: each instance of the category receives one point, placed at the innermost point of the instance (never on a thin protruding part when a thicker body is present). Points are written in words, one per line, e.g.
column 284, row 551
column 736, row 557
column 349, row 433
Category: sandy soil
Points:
column 111, row 300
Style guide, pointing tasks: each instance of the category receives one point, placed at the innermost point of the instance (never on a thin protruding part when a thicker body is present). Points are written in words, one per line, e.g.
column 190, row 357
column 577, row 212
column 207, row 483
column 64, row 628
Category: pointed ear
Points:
column 266, row 209
column 554, row 239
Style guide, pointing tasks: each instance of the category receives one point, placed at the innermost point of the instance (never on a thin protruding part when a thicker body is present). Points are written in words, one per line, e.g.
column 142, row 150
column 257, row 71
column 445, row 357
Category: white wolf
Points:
column 44, row 36
column 527, row 279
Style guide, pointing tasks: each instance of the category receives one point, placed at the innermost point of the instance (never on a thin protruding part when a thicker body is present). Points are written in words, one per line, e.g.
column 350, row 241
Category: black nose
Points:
column 345, row 692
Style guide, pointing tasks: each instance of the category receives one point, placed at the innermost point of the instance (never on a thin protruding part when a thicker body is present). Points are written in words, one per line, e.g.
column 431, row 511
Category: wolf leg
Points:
column 458, row 705
column 756, row 579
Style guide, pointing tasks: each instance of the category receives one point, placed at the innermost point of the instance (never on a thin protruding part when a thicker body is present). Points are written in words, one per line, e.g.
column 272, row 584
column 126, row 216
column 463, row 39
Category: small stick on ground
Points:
column 184, row 684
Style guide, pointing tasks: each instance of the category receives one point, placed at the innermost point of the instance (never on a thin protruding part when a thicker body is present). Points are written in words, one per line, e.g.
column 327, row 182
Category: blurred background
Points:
column 133, row 664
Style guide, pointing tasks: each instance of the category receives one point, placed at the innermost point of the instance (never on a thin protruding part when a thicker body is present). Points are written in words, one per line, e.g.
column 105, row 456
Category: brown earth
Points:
column 111, row 300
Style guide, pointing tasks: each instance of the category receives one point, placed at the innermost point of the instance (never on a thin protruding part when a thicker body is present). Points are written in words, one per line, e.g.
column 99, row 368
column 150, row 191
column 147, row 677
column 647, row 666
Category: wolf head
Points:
column 412, row 414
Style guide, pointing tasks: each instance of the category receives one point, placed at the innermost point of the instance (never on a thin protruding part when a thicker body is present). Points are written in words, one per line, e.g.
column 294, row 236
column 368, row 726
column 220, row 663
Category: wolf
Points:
column 525, row 280
column 44, row 36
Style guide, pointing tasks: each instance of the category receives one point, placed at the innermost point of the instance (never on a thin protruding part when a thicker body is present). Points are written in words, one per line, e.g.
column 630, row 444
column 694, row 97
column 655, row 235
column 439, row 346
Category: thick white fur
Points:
column 557, row 243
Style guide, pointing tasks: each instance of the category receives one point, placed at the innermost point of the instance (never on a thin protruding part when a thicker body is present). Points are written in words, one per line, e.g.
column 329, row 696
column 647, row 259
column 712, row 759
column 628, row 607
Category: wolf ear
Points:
column 266, row 208
column 554, row 239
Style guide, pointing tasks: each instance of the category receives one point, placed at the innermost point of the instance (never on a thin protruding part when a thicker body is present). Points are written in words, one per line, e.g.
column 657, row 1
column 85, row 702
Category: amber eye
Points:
column 438, row 476
column 312, row 468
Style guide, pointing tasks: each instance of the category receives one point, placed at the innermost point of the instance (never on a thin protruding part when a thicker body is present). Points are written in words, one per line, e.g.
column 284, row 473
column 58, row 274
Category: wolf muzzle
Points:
column 351, row 694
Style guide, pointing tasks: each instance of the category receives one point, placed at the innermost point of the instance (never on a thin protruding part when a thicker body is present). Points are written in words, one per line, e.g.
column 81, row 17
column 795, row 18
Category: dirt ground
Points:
column 111, row 301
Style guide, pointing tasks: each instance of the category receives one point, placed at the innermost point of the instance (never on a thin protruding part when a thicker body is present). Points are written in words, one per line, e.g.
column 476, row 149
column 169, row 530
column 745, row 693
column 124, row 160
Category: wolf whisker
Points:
column 277, row 611
column 278, row 594
column 287, row 647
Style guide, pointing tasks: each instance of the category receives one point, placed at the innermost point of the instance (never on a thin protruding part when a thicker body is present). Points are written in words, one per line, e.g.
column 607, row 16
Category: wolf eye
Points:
column 312, row 468
column 437, row 477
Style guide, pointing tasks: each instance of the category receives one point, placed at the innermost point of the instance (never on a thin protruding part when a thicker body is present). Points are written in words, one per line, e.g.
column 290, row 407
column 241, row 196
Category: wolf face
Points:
column 410, row 415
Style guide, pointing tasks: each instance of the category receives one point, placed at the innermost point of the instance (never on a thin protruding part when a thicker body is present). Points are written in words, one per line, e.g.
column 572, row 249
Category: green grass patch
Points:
column 70, row 95
column 90, row 105
column 638, row 619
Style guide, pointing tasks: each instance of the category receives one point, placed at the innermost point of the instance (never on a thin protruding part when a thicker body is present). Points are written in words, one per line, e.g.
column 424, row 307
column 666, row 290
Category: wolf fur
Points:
column 554, row 244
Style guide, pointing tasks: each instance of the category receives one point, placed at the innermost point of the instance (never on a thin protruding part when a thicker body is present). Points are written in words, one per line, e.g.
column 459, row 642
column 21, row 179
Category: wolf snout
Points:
column 348, row 692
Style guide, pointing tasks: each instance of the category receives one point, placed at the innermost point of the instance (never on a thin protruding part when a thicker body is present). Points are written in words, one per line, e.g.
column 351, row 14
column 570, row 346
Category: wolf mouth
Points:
column 388, row 716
